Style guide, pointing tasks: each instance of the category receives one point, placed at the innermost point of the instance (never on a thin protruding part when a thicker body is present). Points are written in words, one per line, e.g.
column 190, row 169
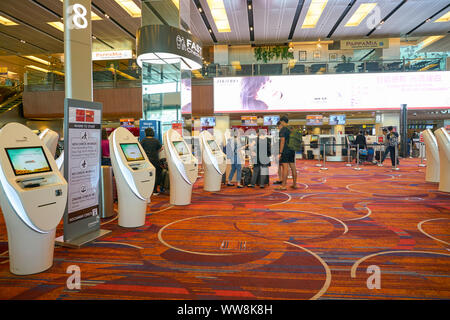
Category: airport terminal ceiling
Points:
column 28, row 31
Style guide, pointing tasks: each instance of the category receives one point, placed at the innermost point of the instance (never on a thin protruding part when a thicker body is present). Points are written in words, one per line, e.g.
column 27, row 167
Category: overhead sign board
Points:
column 365, row 44
column 112, row 55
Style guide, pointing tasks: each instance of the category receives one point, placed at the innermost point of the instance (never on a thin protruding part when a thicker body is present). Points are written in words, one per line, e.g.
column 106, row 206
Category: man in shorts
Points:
column 286, row 156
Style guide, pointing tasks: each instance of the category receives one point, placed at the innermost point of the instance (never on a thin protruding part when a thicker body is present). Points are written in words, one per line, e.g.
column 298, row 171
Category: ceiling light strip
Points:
column 360, row 14
column 338, row 22
column 388, row 16
column 430, row 18
column 130, row 7
column 313, row 14
column 298, row 11
column 219, row 15
column 6, row 22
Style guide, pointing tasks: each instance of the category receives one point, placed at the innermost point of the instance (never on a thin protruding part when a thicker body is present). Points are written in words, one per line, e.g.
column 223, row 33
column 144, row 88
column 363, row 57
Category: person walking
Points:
column 280, row 177
column 152, row 147
column 392, row 144
column 286, row 156
column 234, row 154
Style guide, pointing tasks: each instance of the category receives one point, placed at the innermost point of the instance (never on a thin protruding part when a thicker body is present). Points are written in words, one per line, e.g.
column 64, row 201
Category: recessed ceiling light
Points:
column 37, row 68
column 57, row 25
column 130, row 7
column 444, row 18
column 7, row 22
column 314, row 12
column 360, row 14
column 38, row 60
column 219, row 15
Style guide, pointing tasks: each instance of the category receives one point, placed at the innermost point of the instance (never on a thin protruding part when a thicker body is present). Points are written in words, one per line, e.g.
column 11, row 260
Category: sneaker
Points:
column 230, row 184
column 251, row 186
column 240, row 186
column 155, row 193
column 277, row 182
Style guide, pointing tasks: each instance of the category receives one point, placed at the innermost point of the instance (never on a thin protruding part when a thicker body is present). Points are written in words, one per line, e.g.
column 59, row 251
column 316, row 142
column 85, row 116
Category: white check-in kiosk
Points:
column 33, row 198
column 432, row 171
column 214, row 162
column 135, row 177
column 50, row 139
column 183, row 168
column 443, row 141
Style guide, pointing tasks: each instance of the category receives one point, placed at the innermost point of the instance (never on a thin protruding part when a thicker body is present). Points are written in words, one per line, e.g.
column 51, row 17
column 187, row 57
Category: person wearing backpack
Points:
column 286, row 155
column 261, row 160
column 392, row 144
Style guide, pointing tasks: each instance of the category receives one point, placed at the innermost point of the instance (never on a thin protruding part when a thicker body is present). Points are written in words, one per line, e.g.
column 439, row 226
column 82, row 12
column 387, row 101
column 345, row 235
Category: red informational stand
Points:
column 178, row 127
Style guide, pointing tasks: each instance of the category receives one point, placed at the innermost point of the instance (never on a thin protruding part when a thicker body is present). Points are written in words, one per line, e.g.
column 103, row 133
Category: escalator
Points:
column 13, row 102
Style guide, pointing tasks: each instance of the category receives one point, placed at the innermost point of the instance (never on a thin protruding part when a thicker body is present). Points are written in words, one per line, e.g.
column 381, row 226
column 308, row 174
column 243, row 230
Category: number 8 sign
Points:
column 77, row 17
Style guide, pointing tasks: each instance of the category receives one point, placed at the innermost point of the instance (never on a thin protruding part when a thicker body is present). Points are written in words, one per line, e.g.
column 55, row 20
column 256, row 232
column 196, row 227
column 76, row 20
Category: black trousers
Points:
column 158, row 170
column 260, row 174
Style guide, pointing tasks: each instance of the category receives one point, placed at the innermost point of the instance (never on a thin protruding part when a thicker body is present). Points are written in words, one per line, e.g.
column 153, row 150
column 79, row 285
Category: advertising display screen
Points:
column 181, row 147
column 271, row 120
column 28, row 160
column 336, row 119
column 213, row 145
column 132, row 151
column 208, row 121
column 314, row 139
column 249, row 120
column 314, row 120
column 371, row 91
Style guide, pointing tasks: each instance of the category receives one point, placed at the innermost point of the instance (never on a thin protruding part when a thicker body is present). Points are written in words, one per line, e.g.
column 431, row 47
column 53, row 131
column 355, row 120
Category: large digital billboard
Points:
column 371, row 91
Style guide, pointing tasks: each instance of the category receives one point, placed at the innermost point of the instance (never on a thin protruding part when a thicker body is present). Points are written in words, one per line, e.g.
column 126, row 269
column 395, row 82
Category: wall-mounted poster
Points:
column 302, row 56
column 316, row 55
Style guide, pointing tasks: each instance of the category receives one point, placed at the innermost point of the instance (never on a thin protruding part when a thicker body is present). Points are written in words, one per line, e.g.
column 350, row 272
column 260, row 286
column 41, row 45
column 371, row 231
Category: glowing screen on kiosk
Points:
column 314, row 138
column 336, row 119
column 132, row 151
column 28, row 160
column 181, row 147
column 213, row 145
column 208, row 121
column 271, row 120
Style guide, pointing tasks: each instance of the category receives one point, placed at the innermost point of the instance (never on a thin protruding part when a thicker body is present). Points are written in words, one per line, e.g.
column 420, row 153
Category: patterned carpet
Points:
column 315, row 242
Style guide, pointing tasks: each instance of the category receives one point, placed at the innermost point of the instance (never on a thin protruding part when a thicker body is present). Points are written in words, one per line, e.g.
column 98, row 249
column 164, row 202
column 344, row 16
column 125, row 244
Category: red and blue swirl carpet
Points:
column 320, row 241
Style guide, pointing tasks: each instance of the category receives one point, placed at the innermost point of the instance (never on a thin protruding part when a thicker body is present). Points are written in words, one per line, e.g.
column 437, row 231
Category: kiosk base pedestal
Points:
column 78, row 242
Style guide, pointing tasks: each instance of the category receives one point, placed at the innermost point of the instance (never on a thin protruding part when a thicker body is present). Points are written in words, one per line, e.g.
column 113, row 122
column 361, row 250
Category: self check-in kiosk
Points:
column 432, row 171
column 214, row 162
column 183, row 168
column 33, row 198
column 443, row 141
column 135, row 177
column 50, row 139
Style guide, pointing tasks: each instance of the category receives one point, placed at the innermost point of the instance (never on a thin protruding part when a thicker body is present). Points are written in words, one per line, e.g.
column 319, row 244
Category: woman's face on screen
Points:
column 269, row 93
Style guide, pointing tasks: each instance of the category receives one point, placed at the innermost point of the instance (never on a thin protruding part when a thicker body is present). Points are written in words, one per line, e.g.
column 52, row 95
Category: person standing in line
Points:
column 286, row 155
column 392, row 144
column 106, row 157
column 152, row 147
column 280, row 177
column 262, row 160
column 234, row 153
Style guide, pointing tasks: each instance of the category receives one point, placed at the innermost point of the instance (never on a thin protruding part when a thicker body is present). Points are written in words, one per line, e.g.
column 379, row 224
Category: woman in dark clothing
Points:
column 106, row 158
column 152, row 147
column 361, row 140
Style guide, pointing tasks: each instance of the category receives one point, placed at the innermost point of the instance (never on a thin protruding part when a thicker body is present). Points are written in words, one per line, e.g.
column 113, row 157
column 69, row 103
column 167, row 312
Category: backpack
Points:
column 393, row 140
column 295, row 140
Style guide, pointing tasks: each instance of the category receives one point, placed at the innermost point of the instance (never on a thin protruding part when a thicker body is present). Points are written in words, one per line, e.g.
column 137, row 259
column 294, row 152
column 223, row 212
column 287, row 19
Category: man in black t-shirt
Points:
column 152, row 147
column 286, row 156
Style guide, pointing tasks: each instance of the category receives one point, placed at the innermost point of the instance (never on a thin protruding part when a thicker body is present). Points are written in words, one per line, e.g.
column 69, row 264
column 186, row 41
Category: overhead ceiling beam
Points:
column 296, row 17
column 60, row 17
column 251, row 25
column 338, row 22
column 387, row 17
column 30, row 26
column 112, row 20
column 155, row 12
column 202, row 13
column 427, row 20
column 21, row 40
column 368, row 54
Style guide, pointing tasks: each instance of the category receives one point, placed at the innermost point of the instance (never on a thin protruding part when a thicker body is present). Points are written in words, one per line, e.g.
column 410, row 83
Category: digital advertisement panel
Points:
column 28, row 160
column 132, row 151
column 372, row 91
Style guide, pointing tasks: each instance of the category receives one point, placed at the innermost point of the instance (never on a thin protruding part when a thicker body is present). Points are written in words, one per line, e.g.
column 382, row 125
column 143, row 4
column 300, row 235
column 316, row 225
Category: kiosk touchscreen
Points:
column 50, row 139
column 214, row 162
column 443, row 141
column 135, row 177
column 33, row 197
column 432, row 171
column 183, row 168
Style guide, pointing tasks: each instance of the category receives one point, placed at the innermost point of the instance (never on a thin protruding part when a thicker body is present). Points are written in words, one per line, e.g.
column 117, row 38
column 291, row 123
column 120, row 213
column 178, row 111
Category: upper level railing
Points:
column 129, row 77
